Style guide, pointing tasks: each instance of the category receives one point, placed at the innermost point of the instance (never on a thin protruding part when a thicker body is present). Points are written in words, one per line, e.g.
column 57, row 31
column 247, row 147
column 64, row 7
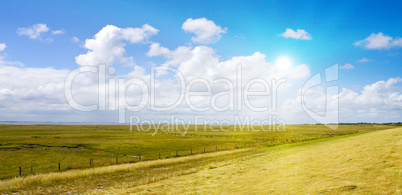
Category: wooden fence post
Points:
column 59, row 166
column 20, row 172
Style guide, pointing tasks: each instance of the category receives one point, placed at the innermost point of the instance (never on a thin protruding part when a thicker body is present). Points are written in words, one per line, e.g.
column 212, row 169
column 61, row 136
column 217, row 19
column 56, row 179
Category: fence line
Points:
column 253, row 142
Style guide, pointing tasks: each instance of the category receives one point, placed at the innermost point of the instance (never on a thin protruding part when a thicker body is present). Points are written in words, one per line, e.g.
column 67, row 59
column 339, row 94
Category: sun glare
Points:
column 283, row 63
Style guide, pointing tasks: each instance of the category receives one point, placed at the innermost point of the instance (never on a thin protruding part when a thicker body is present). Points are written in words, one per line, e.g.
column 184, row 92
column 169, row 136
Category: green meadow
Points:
column 302, row 158
column 40, row 148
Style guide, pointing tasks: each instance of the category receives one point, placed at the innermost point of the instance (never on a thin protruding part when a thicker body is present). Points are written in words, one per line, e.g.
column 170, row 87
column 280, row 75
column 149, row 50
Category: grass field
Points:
column 73, row 145
column 362, row 164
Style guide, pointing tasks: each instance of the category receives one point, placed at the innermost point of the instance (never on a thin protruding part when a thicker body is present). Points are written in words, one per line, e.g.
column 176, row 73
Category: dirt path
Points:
column 368, row 163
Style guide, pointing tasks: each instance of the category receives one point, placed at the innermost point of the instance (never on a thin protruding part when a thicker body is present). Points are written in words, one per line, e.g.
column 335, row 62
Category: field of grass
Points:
column 363, row 164
column 44, row 146
column 73, row 146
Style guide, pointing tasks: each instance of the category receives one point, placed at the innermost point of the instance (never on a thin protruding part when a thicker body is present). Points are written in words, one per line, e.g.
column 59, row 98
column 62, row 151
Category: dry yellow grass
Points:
column 363, row 164
column 54, row 179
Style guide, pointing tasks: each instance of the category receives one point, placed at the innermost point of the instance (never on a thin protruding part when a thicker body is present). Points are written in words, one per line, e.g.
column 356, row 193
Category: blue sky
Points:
column 334, row 28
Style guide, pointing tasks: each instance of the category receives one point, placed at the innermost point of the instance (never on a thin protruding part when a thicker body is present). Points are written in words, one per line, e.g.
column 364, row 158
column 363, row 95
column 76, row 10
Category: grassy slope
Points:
column 365, row 164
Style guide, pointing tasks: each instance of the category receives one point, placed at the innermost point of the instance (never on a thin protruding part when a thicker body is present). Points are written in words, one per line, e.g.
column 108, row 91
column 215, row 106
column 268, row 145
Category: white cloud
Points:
column 4, row 61
column 377, row 102
column 137, row 35
column 57, row 32
column 379, row 41
column 202, row 62
column 206, row 31
column 299, row 72
column 75, row 40
column 347, row 66
column 157, row 50
column 382, row 95
column 299, row 34
column 107, row 46
column 18, row 94
column 34, row 31
column 2, row 46
column 364, row 60
column 20, row 98
column 397, row 42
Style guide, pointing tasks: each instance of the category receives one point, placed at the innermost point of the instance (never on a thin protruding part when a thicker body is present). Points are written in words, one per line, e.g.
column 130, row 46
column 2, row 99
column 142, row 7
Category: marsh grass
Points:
column 44, row 146
column 368, row 163
column 125, row 174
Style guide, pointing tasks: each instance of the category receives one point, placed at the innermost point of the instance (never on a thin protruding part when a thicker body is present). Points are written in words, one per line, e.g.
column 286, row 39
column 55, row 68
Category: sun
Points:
column 283, row 63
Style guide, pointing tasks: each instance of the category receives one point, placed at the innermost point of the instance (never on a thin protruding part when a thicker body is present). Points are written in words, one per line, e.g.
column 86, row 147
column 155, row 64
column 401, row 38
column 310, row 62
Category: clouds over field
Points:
column 217, row 85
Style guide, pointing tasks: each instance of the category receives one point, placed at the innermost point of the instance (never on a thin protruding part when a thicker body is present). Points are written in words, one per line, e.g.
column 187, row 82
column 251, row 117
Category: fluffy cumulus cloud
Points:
column 201, row 63
column 21, row 99
column 347, row 66
column 220, row 89
column 2, row 46
column 380, row 101
column 44, row 100
column 199, row 66
column 34, row 31
column 377, row 102
column 382, row 94
column 156, row 50
column 206, row 31
column 107, row 46
column 19, row 94
column 379, row 41
column 299, row 34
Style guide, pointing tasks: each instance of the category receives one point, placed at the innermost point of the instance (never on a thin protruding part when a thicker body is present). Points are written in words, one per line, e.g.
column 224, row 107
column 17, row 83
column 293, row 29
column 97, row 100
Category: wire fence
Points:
column 242, row 142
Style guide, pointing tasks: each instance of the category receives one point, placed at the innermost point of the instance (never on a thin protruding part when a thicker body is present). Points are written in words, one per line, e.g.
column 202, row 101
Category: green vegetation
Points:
column 362, row 164
column 44, row 146
column 73, row 146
